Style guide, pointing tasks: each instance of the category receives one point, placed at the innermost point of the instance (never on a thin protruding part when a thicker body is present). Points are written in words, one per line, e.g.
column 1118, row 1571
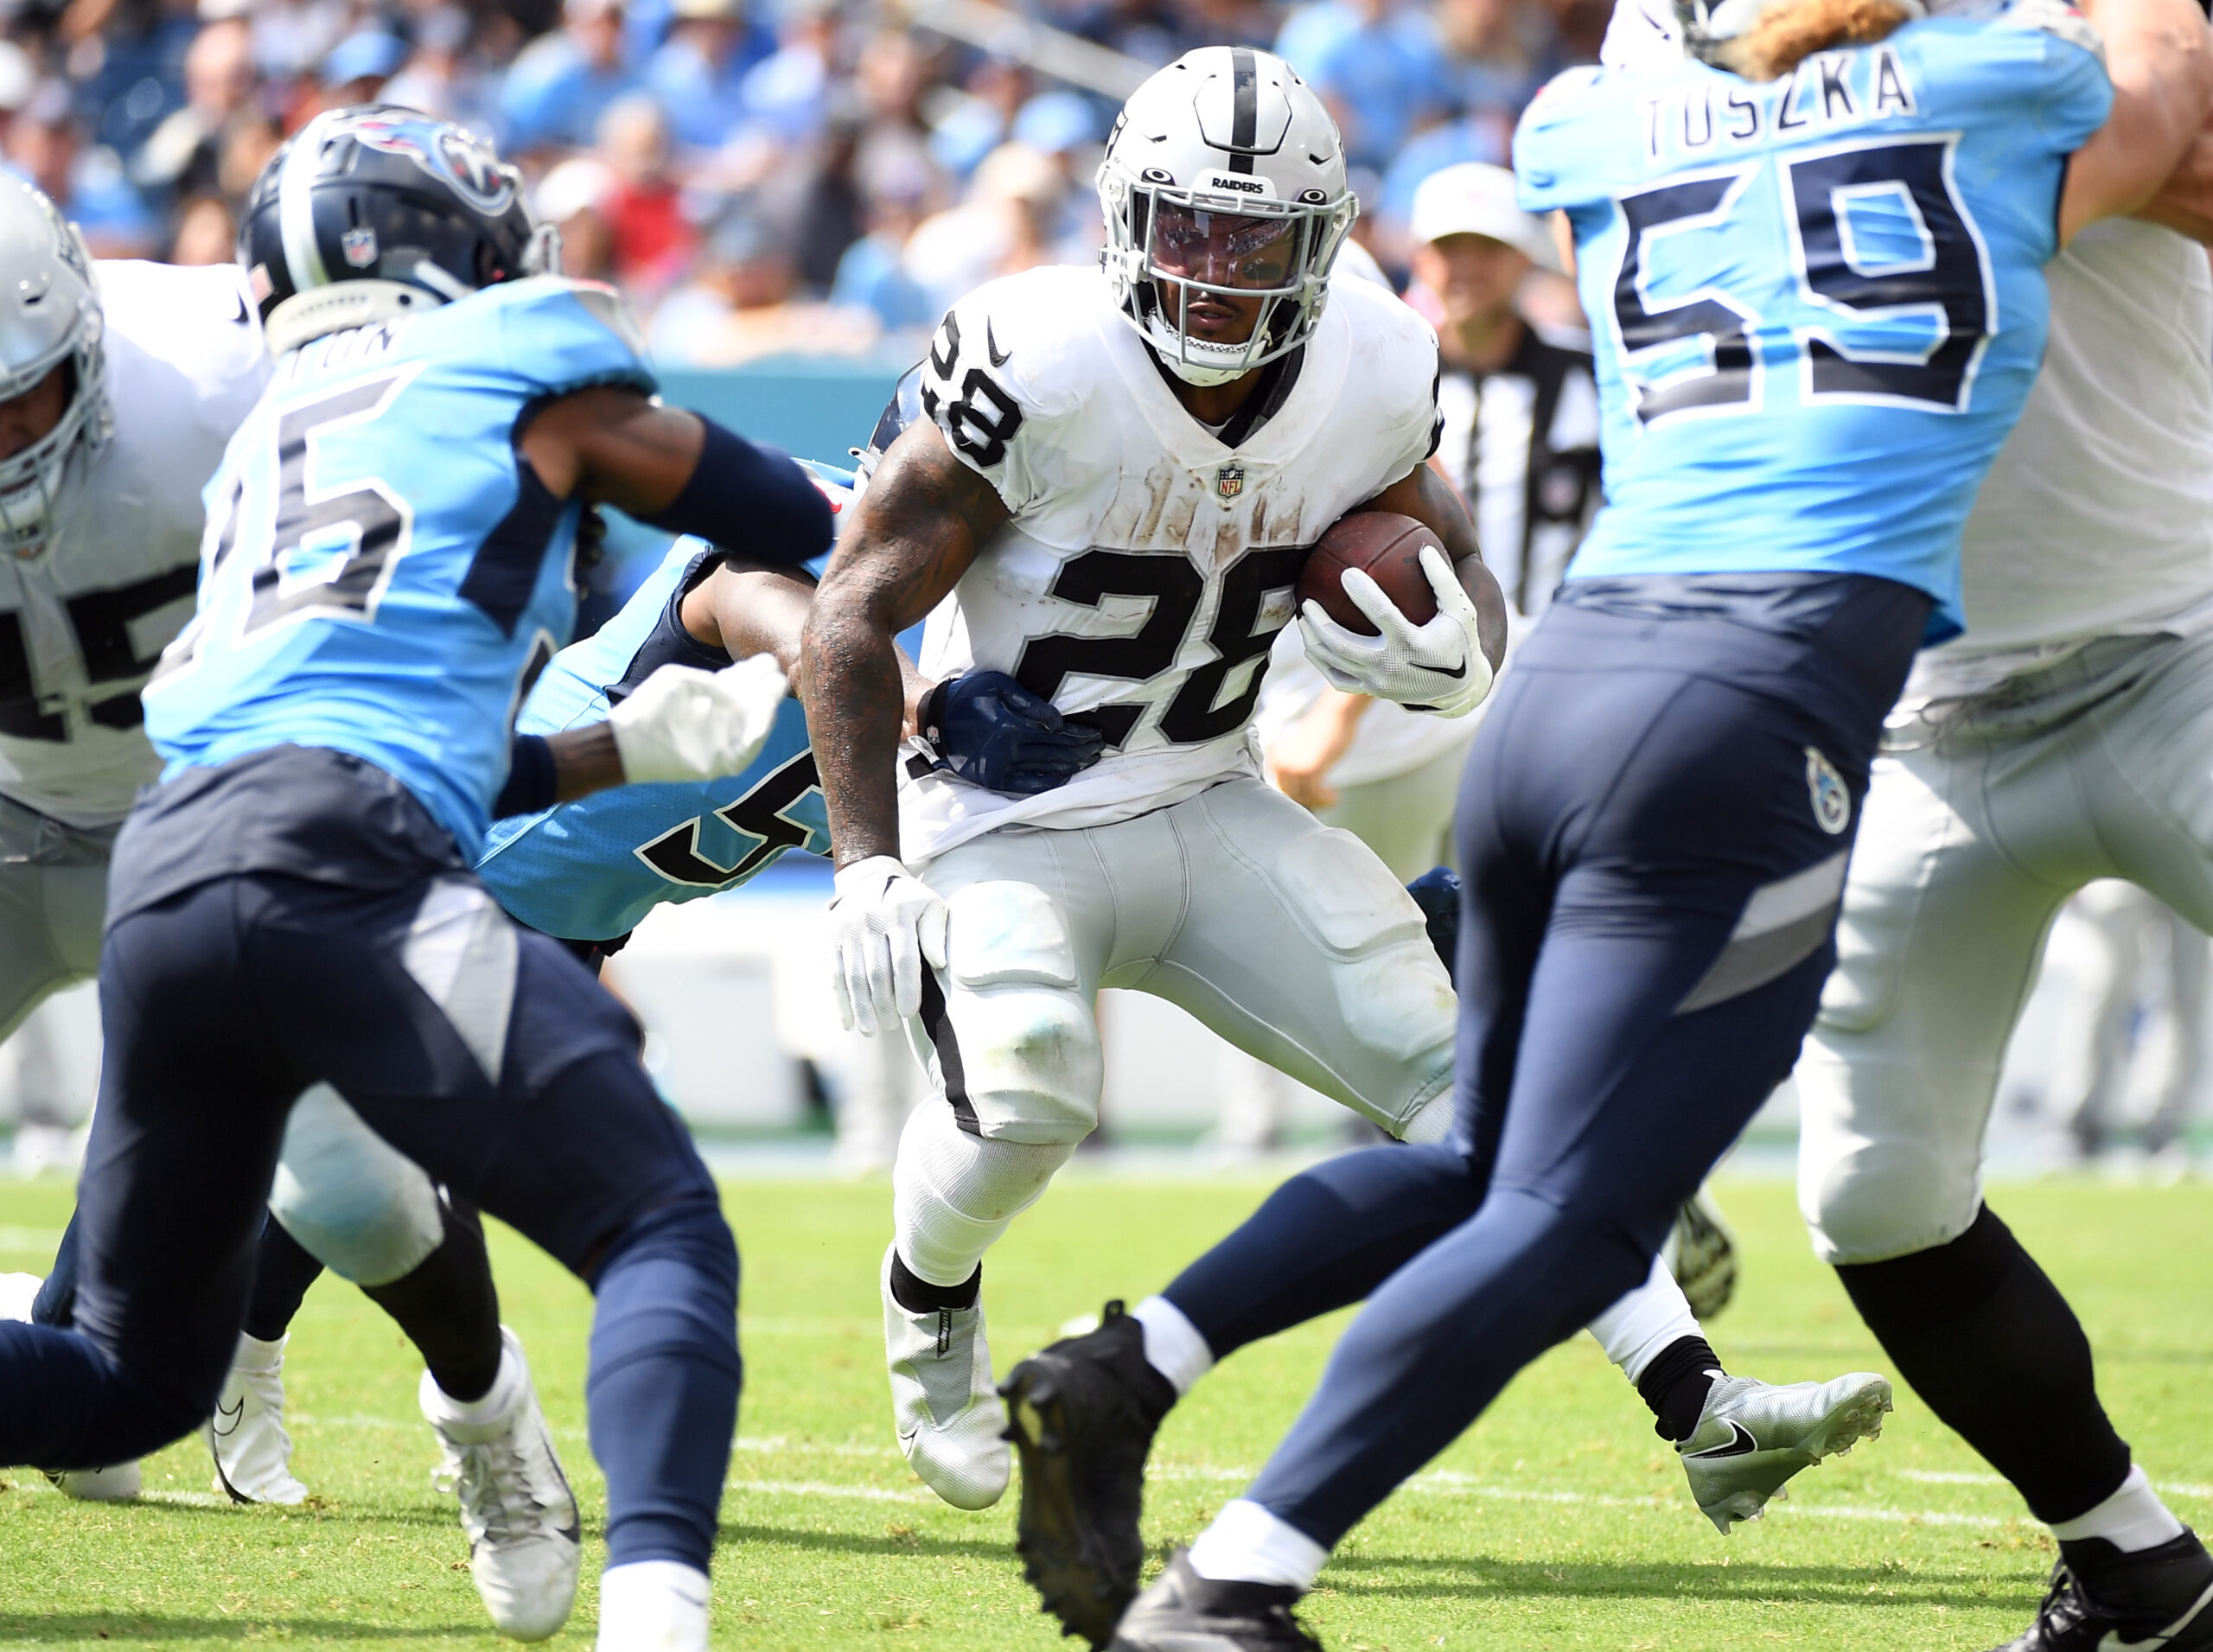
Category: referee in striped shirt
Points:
column 1519, row 440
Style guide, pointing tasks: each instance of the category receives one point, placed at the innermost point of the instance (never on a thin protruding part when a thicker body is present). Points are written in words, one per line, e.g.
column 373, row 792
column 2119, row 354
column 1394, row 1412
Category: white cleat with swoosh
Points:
column 1753, row 1436
column 252, row 1452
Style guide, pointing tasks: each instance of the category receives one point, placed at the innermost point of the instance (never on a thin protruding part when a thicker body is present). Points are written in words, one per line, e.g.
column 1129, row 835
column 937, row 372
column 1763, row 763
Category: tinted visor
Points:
column 1222, row 250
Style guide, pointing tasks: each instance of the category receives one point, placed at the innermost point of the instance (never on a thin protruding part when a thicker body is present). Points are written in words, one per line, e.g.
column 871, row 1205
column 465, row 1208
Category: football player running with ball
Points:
column 1659, row 811
column 387, row 564
column 1117, row 484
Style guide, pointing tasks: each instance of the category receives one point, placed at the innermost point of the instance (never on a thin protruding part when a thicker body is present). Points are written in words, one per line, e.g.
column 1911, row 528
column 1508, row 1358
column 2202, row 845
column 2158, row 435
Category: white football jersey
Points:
column 1148, row 566
column 82, row 623
column 2097, row 518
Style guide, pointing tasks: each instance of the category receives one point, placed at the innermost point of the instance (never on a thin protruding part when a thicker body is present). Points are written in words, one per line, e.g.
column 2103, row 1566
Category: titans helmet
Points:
column 375, row 210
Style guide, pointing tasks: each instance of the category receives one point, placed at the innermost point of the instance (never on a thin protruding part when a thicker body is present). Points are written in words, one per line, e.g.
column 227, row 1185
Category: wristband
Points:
column 532, row 783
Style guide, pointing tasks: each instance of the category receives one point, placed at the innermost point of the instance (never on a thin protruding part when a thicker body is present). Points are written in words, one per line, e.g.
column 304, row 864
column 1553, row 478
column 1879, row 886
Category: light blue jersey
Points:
column 591, row 870
column 1818, row 304
column 381, row 573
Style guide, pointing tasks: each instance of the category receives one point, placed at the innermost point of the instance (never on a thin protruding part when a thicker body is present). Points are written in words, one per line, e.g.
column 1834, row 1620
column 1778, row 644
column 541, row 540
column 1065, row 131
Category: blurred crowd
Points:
column 761, row 176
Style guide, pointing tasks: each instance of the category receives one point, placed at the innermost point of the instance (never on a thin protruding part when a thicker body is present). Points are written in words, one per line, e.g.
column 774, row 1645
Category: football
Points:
column 1388, row 547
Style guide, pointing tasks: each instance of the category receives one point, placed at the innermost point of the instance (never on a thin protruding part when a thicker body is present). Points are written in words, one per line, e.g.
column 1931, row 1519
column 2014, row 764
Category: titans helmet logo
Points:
column 455, row 157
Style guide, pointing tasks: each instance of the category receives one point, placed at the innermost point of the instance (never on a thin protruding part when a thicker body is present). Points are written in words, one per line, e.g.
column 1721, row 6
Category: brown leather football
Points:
column 1388, row 547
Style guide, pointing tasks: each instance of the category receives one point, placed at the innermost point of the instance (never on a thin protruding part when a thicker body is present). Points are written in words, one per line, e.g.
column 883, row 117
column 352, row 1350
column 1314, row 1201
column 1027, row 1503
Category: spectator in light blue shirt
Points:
column 699, row 72
column 786, row 95
column 87, row 184
column 870, row 272
column 1382, row 76
column 560, row 84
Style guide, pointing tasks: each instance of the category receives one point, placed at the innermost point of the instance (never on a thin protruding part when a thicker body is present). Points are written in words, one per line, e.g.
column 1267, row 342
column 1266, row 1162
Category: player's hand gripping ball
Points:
column 1397, row 624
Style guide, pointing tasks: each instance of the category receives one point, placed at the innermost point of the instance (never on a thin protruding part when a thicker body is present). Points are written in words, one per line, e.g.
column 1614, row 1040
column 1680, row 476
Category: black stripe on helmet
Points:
column 1245, row 109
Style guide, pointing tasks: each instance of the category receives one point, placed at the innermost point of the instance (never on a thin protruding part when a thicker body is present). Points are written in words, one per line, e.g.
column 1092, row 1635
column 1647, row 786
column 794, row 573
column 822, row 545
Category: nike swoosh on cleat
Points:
column 1741, row 1443
column 2113, row 1641
column 999, row 357
column 236, row 1415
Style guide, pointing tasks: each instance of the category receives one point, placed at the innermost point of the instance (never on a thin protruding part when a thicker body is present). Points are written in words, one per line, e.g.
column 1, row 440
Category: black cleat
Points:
column 2102, row 1600
column 1185, row 1612
column 1082, row 1414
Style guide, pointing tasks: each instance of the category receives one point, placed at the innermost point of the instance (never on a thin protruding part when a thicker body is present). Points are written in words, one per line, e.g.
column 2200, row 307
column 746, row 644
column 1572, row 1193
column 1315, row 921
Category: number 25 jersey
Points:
column 1150, row 562
column 382, row 574
column 1818, row 302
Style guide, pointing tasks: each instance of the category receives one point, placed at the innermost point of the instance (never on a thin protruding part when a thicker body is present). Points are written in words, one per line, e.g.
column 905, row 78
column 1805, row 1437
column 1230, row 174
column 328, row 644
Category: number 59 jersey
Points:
column 591, row 870
column 381, row 572
column 1818, row 302
column 1150, row 561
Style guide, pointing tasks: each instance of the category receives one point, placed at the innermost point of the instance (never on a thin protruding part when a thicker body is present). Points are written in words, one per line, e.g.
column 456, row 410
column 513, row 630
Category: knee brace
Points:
column 953, row 1194
column 355, row 1203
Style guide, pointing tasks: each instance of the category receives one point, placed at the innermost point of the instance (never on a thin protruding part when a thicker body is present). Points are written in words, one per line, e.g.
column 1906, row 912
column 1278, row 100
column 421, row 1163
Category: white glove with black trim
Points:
column 1439, row 667
column 885, row 924
column 685, row 723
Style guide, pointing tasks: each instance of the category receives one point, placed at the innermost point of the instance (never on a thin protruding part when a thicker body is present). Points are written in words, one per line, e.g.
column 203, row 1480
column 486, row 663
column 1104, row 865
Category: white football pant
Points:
column 1982, row 818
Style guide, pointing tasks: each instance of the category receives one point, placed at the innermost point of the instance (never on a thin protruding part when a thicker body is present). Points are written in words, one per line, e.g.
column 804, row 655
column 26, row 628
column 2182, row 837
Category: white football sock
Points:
column 2133, row 1518
column 1647, row 1322
column 491, row 1405
column 1173, row 1345
column 255, row 1355
column 1434, row 1122
column 1247, row 1544
column 653, row 1606
column 953, row 1194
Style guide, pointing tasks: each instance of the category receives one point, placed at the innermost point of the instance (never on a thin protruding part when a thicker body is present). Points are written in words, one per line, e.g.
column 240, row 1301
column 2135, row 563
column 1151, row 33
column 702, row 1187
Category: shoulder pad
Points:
column 2054, row 18
column 1024, row 346
column 596, row 299
column 1566, row 83
column 563, row 334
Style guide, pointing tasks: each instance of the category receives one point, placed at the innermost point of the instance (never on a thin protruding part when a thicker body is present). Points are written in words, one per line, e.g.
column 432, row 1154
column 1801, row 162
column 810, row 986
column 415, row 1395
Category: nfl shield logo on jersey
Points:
column 1832, row 801
column 1229, row 480
column 359, row 245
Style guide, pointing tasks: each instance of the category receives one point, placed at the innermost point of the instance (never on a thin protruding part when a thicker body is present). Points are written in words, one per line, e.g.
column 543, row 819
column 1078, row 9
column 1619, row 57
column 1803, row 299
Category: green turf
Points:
column 1558, row 1522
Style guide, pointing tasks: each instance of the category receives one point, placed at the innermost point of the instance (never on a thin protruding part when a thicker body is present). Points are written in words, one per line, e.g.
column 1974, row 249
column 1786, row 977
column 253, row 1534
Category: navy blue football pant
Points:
column 480, row 1049
column 1653, row 830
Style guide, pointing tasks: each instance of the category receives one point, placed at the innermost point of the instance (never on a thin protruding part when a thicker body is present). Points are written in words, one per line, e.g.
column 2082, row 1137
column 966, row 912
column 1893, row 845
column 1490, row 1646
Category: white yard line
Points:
column 819, row 1488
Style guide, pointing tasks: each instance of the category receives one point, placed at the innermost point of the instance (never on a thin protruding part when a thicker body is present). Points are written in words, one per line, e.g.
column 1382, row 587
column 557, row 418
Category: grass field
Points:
column 1558, row 1521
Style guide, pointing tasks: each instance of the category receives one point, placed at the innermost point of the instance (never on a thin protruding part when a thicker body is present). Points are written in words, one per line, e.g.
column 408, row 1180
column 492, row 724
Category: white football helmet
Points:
column 1225, row 176
column 49, row 313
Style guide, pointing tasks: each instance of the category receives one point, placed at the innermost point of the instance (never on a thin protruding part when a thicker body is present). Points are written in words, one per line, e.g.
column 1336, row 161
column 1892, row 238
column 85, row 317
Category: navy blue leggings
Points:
column 1653, row 829
column 517, row 1086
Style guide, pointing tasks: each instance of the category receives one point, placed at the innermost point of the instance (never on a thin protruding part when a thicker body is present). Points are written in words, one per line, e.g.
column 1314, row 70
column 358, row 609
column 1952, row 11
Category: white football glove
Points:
column 885, row 924
column 685, row 723
column 1439, row 667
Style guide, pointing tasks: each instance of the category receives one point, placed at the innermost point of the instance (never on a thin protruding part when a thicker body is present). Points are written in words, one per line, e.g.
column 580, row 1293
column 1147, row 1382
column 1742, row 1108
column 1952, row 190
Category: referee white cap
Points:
column 1473, row 198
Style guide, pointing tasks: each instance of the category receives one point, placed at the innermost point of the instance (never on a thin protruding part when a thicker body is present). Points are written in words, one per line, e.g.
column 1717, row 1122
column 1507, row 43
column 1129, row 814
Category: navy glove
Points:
column 1436, row 892
column 990, row 730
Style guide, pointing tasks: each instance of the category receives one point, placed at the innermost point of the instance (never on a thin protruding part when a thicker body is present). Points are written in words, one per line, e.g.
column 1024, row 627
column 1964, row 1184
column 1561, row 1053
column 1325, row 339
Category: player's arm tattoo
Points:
column 924, row 518
column 1429, row 499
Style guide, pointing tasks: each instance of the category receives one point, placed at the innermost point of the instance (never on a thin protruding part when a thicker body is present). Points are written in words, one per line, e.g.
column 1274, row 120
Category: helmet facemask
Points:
column 39, row 484
column 1168, row 247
